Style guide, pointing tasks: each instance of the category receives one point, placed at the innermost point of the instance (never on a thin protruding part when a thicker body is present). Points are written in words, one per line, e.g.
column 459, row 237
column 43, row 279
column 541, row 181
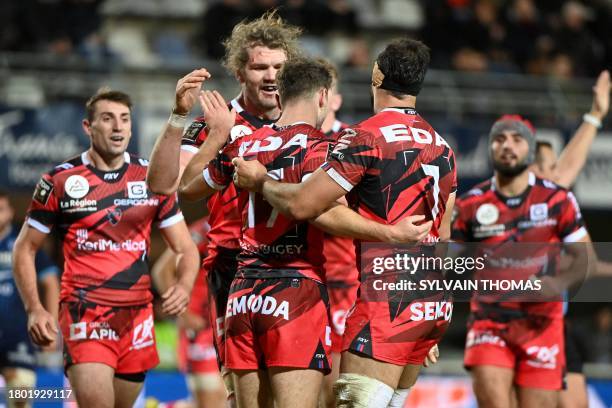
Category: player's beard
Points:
column 509, row 171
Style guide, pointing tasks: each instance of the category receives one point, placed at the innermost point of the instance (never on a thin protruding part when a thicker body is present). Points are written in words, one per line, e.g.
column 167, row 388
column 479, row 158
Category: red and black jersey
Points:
column 224, row 216
column 395, row 164
column 105, row 220
column 544, row 213
column 273, row 245
column 198, row 303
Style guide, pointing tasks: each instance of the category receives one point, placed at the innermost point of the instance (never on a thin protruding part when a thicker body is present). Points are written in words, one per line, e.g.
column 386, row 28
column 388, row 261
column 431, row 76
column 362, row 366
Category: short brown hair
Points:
column 302, row 77
column 268, row 31
column 331, row 68
column 106, row 94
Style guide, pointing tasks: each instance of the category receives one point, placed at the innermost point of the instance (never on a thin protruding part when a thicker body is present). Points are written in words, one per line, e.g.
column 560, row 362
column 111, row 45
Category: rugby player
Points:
column 255, row 52
column 196, row 352
column 564, row 170
column 394, row 165
column 512, row 344
column 17, row 352
column 276, row 247
column 102, row 208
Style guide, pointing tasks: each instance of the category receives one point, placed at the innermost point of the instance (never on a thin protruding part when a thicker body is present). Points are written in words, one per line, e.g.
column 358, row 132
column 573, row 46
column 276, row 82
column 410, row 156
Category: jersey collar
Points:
column 515, row 201
column 407, row 111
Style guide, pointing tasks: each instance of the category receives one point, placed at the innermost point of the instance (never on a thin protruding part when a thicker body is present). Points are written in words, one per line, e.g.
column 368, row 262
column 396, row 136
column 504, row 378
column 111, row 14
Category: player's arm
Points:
column 219, row 120
column 447, row 218
column 176, row 297
column 41, row 323
column 167, row 158
column 163, row 272
column 302, row 201
column 342, row 221
column 582, row 263
column 574, row 155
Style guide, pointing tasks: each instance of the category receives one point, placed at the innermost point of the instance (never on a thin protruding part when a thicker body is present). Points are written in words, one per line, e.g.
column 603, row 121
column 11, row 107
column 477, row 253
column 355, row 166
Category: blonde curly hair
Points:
column 270, row 30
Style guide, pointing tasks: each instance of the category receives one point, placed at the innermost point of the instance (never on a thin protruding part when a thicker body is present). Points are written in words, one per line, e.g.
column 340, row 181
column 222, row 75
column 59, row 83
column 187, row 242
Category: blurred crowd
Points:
column 564, row 39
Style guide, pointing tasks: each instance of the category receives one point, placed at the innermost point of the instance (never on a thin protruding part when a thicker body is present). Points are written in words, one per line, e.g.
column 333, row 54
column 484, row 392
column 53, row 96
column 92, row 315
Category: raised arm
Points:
column 167, row 159
column 219, row 121
column 574, row 155
column 42, row 326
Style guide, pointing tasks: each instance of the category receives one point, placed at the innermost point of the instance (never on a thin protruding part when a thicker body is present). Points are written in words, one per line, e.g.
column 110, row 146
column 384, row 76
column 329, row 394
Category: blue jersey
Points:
column 13, row 318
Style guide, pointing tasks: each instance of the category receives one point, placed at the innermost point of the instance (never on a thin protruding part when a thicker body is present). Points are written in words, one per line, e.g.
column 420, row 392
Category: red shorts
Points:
column 532, row 347
column 399, row 333
column 196, row 352
column 220, row 270
column 277, row 322
column 342, row 296
column 120, row 337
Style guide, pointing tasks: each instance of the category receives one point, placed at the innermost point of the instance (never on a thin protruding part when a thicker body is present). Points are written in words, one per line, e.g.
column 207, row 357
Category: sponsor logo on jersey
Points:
column 43, row 191
column 111, row 176
column 143, row 335
column 266, row 305
column 102, row 245
column 487, row 214
column 76, row 186
column 271, row 143
column 70, row 206
column 483, row 231
column 137, row 189
column 475, row 338
column 403, row 133
column 538, row 212
column 543, row 356
column 431, row 311
column 238, row 131
column 345, row 139
column 92, row 331
column 136, row 202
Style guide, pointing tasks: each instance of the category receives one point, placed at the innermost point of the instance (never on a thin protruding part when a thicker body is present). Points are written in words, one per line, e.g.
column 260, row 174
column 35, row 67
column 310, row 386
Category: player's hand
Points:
column 407, row 230
column 432, row 356
column 191, row 321
column 249, row 174
column 175, row 299
column 42, row 327
column 601, row 96
column 550, row 288
column 218, row 116
column 188, row 89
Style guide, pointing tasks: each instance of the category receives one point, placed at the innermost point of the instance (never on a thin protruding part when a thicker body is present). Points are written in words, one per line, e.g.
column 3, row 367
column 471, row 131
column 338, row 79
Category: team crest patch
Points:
column 193, row 131
column 487, row 214
column 238, row 131
column 76, row 186
column 43, row 191
column 114, row 216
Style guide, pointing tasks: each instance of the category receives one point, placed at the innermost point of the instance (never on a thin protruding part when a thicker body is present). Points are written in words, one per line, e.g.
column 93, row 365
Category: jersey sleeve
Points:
column 169, row 212
column 460, row 225
column 44, row 265
column 453, row 164
column 315, row 157
column 43, row 212
column 570, row 223
column 195, row 135
column 354, row 154
column 218, row 173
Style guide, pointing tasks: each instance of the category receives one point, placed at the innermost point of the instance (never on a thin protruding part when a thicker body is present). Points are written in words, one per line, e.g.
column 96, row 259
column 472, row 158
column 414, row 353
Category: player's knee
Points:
column 230, row 386
column 359, row 391
column 210, row 382
column 20, row 378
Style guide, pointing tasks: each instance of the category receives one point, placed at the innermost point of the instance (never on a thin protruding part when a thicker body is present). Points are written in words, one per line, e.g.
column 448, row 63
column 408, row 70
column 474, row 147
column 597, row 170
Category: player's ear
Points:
column 278, row 102
column 86, row 126
column 323, row 97
column 336, row 102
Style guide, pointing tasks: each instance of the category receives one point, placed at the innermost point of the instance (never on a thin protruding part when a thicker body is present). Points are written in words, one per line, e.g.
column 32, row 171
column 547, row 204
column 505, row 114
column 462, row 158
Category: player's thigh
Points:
column 252, row 389
column 92, row 384
column 295, row 387
column 537, row 397
column 328, row 398
column 492, row 386
column 126, row 391
column 409, row 376
column 387, row 373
